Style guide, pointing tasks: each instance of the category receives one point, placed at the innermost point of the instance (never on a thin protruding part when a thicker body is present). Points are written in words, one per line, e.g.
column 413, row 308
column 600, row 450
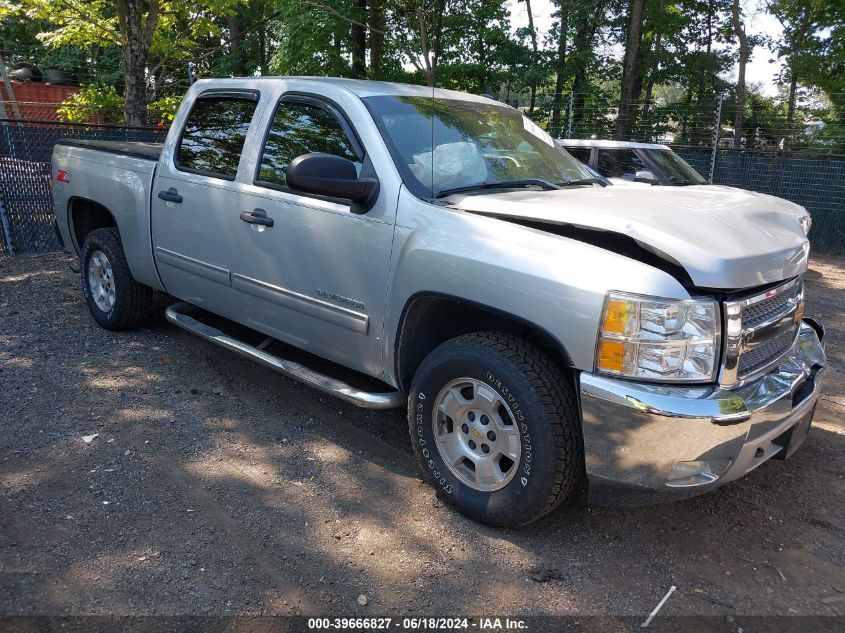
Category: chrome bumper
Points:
column 647, row 443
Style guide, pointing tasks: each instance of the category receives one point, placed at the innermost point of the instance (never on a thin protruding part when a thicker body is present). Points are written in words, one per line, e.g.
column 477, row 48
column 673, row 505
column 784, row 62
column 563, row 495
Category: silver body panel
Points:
column 337, row 283
column 317, row 279
column 120, row 183
column 554, row 282
column 723, row 237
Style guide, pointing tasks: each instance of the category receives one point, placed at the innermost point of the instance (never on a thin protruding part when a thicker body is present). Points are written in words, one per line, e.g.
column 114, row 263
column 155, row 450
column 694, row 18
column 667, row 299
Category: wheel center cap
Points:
column 476, row 433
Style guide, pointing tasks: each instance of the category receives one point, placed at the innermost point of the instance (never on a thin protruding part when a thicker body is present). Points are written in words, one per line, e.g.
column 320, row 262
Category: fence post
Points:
column 569, row 125
column 716, row 128
column 10, row 93
column 7, row 229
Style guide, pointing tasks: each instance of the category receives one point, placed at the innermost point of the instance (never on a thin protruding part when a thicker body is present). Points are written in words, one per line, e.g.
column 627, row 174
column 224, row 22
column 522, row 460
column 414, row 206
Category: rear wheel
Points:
column 115, row 299
column 495, row 428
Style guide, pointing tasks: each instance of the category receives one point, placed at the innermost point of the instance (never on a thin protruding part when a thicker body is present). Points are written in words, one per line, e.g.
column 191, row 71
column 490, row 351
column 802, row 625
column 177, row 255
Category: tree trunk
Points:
column 426, row 52
column 262, row 36
column 262, row 47
column 739, row 30
column 138, row 20
column 536, row 59
column 793, row 89
column 629, row 69
column 704, row 67
column 655, row 63
column 560, row 72
column 798, row 36
column 359, row 39
column 589, row 22
column 377, row 26
column 437, row 35
column 235, row 45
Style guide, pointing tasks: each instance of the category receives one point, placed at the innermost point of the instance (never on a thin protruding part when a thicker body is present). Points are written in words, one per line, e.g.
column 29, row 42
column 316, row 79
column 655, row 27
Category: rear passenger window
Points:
column 620, row 163
column 302, row 128
column 214, row 135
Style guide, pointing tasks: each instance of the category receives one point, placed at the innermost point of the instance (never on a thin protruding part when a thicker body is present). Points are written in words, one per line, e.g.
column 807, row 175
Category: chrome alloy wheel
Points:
column 476, row 434
column 101, row 281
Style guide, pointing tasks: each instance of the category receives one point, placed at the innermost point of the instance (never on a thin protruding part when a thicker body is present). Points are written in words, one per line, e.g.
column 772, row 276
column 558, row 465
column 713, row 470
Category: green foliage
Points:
column 101, row 104
column 165, row 108
column 686, row 57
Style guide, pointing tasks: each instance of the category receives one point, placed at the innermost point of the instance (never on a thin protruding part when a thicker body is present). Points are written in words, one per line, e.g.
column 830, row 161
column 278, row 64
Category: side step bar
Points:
column 178, row 315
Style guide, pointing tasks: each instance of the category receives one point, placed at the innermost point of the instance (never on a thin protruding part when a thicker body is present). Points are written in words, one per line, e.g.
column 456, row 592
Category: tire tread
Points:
column 139, row 302
column 557, row 398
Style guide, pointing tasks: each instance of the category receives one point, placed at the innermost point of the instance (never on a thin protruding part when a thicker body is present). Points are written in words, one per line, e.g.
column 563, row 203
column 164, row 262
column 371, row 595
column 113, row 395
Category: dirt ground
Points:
column 214, row 486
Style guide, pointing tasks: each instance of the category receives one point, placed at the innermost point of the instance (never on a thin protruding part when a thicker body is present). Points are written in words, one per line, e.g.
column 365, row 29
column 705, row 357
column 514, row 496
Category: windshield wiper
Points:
column 584, row 181
column 504, row 184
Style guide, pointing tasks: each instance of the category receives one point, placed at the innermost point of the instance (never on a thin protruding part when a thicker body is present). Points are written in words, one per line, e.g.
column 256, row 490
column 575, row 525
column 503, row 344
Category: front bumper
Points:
column 647, row 443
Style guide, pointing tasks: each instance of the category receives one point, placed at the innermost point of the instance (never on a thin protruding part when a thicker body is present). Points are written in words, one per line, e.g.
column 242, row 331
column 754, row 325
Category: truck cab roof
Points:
column 361, row 87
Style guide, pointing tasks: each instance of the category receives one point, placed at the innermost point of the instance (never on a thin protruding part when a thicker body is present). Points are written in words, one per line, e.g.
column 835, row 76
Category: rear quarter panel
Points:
column 122, row 184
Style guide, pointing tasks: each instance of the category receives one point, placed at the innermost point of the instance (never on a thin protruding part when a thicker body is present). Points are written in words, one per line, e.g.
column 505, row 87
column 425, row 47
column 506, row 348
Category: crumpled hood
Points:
column 723, row 237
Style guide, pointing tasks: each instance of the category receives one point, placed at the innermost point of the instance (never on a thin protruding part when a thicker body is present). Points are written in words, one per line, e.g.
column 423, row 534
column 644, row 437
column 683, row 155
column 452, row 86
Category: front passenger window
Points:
column 620, row 163
column 297, row 129
column 581, row 153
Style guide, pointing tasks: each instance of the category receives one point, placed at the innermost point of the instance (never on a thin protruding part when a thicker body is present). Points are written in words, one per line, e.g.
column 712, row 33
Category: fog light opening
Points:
column 696, row 473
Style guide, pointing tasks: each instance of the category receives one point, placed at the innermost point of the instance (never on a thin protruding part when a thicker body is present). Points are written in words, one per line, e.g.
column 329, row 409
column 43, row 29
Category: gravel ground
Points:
column 213, row 486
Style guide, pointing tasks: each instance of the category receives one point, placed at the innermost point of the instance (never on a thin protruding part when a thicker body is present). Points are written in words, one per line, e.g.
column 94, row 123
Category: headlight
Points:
column 806, row 223
column 658, row 339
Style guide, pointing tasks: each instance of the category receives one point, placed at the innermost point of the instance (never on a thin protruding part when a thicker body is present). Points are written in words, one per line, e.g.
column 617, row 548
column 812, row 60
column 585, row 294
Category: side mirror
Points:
column 645, row 176
column 329, row 175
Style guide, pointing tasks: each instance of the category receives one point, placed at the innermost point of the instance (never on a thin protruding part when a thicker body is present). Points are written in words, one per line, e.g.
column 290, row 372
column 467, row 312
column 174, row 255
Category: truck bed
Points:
column 117, row 176
column 136, row 149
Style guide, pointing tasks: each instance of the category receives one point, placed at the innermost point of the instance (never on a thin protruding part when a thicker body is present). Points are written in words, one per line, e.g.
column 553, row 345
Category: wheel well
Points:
column 86, row 216
column 429, row 321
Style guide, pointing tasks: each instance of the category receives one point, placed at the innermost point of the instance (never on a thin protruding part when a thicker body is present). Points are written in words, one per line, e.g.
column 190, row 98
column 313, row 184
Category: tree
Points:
column 559, row 67
column 742, row 38
column 377, row 26
column 359, row 38
column 586, row 18
column 138, row 20
column 532, row 33
column 149, row 36
column 629, row 69
column 811, row 47
column 676, row 54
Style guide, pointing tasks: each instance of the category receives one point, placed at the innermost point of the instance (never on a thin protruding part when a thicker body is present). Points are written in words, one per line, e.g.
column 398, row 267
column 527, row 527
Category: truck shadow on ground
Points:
column 215, row 486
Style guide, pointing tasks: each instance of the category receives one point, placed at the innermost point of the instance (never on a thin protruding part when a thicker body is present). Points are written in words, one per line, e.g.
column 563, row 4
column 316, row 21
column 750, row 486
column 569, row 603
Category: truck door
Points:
column 315, row 278
column 194, row 198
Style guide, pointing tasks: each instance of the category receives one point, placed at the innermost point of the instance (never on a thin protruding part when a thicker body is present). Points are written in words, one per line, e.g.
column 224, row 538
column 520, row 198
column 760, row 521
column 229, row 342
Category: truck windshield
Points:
column 673, row 167
column 444, row 145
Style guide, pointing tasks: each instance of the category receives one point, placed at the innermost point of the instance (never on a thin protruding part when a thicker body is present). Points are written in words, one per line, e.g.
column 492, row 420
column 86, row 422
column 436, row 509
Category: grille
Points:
column 762, row 355
column 760, row 329
column 762, row 311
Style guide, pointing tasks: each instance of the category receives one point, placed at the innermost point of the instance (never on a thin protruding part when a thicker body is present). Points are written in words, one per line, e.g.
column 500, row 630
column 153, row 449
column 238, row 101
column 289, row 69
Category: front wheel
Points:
column 495, row 428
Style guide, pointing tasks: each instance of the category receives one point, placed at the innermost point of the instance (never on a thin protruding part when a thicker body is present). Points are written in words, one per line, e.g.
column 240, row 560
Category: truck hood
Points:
column 723, row 237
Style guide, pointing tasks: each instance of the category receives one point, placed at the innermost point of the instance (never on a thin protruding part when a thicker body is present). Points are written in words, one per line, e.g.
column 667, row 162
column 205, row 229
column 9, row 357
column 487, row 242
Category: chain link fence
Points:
column 26, row 205
column 798, row 155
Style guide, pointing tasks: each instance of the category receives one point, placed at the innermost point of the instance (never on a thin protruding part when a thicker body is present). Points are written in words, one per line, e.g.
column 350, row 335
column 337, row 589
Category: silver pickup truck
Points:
column 393, row 244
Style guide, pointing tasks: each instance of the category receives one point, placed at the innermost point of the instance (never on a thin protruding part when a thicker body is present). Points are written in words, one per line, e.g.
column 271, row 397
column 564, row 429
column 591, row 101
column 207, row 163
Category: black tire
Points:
column 543, row 403
column 134, row 302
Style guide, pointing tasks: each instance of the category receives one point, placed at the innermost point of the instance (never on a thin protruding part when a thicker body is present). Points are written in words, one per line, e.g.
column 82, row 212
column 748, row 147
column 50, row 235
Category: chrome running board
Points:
column 178, row 315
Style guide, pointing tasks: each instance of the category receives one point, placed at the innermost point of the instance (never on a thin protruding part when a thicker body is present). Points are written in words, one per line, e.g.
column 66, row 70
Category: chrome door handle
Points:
column 257, row 216
column 171, row 195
